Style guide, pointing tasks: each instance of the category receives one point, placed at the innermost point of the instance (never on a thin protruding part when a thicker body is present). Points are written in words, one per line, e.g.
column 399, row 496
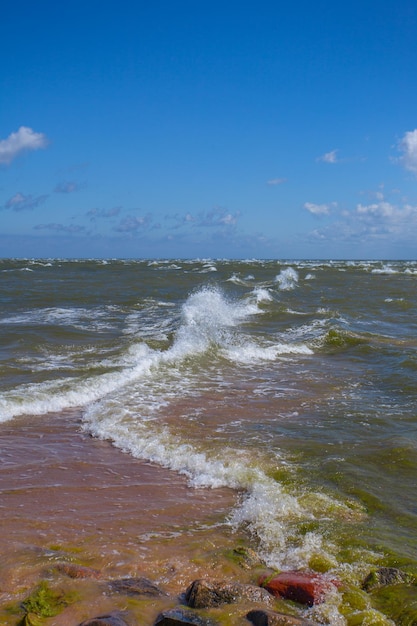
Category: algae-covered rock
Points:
column 30, row 619
column 370, row 617
column 384, row 576
column 399, row 602
column 44, row 602
column 245, row 557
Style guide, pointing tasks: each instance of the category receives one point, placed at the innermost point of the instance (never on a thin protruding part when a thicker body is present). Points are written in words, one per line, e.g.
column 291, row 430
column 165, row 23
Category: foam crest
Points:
column 250, row 352
column 287, row 279
column 262, row 295
column 57, row 395
column 266, row 510
column 207, row 317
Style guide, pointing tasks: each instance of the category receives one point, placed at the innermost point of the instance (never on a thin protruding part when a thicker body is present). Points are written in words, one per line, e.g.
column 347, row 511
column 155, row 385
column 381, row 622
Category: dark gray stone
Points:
column 116, row 618
column 181, row 617
column 384, row 576
column 136, row 587
column 270, row 618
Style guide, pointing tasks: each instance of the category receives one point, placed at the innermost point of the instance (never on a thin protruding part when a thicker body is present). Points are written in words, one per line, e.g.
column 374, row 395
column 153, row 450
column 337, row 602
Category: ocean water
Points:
column 292, row 383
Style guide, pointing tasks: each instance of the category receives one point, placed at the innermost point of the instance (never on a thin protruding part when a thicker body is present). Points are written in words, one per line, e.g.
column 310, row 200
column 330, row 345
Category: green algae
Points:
column 45, row 602
column 338, row 339
column 399, row 602
column 369, row 617
column 321, row 563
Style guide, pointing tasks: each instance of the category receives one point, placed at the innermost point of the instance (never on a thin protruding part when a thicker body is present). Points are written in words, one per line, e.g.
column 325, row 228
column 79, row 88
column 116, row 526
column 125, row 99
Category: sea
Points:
column 288, row 386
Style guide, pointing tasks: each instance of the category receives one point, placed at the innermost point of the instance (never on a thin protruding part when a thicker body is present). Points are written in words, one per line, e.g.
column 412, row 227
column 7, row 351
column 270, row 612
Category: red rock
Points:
column 303, row 587
column 77, row 571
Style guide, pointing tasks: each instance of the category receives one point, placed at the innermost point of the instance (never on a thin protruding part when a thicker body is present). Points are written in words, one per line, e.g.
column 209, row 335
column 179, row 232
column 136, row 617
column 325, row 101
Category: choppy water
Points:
column 294, row 383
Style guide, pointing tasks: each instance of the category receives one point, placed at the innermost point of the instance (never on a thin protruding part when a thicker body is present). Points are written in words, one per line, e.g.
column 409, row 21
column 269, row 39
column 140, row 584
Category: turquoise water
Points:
column 291, row 382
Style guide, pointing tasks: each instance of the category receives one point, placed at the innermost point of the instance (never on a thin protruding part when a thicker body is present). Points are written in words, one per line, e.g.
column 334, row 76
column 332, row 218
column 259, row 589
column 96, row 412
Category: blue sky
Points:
column 209, row 129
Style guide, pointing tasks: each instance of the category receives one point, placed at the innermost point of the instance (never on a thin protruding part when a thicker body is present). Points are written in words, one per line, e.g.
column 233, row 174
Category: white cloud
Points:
column 21, row 141
column 276, row 181
column 132, row 224
column 391, row 216
column 318, row 209
column 20, row 202
column 329, row 157
column 408, row 146
column 218, row 217
column 95, row 213
column 395, row 225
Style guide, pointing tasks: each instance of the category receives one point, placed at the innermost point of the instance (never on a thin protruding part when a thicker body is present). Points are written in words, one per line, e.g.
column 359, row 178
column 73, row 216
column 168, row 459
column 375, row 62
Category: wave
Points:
column 287, row 279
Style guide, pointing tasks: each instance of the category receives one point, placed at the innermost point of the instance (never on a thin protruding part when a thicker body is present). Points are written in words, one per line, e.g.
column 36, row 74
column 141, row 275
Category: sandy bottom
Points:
column 65, row 496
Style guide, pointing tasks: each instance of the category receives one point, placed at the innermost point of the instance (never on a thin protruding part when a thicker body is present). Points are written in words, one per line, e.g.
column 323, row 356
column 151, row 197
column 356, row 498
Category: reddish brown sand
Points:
column 65, row 496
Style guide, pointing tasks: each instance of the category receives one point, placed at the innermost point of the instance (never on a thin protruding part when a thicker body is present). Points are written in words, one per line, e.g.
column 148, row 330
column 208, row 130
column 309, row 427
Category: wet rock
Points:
column 245, row 557
column 136, row 587
column 180, row 616
column 398, row 602
column 209, row 593
column 302, row 587
column 77, row 571
column 384, row 576
column 116, row 618
column 270, row 618
column 30, row 619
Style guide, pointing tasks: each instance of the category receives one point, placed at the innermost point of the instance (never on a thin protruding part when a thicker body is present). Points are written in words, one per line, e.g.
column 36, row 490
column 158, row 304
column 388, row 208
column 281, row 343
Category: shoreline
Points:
column 66, row 496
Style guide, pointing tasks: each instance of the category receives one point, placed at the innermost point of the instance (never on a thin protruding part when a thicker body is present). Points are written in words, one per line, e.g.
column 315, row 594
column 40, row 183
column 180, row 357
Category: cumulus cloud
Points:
column 377, row 221
column 276, row 181
column 24, row 140
column 20, row 202
column 319, row 209
column 329, row 157
column 104, row 213
column 218, row 217
column 408, row 146
column 132, row 224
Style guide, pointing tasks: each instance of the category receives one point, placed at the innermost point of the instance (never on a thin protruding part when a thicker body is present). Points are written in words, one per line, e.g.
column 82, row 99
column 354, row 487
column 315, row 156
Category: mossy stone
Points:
column 45, row 602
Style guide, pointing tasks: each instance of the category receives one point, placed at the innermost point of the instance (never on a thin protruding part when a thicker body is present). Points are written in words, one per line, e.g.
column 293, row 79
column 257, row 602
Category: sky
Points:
column 195, row 128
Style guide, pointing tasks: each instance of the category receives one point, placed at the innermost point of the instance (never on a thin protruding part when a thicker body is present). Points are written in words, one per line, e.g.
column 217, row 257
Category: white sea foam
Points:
column 262, row 295
column 287, row 279
column 206, row 318
column 234, row 278
column 77, row 317
column 385, row 269
column 250, row 352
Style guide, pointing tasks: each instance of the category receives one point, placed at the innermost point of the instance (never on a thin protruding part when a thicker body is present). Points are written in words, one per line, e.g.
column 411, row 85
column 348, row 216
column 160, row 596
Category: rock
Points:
column 303, row 587
column 77, row 571
column 398, row 602
column 208, row 593
column 270, row 618
column 30, row 619
column 116, row 618
column 245, row 557
column 136, row 587
column 179, row 616
column 384, row 576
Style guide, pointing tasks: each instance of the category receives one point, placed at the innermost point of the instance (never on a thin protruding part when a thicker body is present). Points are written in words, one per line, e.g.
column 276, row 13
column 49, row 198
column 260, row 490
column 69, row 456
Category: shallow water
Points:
column 290, row 383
